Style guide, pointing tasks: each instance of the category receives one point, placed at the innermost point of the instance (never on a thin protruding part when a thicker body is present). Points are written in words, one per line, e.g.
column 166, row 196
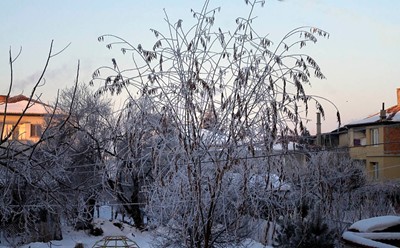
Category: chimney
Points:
column 382, row 115
column 318, row 129
column 398, row 96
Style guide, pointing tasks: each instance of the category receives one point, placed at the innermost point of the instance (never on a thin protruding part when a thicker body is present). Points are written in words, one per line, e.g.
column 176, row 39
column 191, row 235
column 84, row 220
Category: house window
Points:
column 36, row 130
column 375, row 170
column 374, row 136
column 22, row 132
column 7, row 129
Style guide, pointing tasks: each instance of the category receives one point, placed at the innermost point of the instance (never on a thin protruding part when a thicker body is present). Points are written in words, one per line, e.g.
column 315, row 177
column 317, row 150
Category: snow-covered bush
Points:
column 328, row 193
column 311, row 231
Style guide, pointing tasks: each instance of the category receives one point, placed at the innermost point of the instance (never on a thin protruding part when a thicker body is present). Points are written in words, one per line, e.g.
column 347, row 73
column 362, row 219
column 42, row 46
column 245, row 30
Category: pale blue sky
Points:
column 360, row 59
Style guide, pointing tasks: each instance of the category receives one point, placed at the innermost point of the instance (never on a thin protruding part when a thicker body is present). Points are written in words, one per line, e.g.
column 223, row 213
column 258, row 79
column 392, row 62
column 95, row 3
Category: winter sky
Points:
column 360, row 59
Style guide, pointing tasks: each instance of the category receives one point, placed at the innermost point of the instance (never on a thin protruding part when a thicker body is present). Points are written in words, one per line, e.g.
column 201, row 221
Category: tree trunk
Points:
column 48, row 227
column 135, row 208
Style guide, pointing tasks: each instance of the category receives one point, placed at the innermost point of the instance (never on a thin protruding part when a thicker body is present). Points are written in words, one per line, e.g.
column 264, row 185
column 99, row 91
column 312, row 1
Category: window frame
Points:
column 375, row 170
column 374, row 139
column 36, row 130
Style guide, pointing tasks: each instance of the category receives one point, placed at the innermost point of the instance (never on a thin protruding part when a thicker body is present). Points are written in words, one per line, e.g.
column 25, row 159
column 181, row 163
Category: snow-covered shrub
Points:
column 311, row 231
column 96, row 230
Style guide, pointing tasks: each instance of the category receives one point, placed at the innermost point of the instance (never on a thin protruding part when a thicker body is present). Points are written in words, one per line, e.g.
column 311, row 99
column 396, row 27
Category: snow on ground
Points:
column 72, row 237
column 104, row 214
column 142, row 239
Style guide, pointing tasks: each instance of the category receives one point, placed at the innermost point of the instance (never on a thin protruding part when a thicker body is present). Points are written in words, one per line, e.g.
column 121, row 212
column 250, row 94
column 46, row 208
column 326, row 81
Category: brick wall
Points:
column 392, row 139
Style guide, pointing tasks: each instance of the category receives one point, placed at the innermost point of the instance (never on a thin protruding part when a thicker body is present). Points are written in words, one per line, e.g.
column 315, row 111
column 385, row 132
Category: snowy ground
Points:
column 72, row 237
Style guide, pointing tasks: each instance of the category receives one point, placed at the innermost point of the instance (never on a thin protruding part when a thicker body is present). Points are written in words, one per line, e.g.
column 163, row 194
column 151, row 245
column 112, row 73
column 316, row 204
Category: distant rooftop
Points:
column 390, row 115
column 17, row 104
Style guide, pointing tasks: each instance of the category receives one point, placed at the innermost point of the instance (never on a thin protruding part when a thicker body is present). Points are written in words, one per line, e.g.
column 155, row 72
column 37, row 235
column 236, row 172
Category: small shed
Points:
column 115, row 241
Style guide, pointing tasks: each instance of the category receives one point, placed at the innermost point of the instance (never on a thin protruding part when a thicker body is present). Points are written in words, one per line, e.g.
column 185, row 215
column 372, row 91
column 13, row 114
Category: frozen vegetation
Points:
column 209, row 148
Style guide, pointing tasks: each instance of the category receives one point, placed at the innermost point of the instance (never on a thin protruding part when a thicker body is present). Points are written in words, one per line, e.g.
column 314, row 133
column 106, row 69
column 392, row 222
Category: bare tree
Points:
column 229, row 96
column 140, row 134
column 29, row 199
column 81, row 140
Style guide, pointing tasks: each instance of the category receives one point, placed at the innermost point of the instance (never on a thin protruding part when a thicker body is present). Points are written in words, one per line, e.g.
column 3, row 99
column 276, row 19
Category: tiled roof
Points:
column 392, row 112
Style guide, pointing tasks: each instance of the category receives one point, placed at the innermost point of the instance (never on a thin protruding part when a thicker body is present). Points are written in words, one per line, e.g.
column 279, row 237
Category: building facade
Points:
column 375, row 140
column 22, row 119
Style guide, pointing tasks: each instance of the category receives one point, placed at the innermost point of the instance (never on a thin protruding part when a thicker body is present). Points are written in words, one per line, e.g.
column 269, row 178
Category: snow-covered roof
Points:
column 367, row 232
column 358, row 238
column 259, row 182
column 395, row 117
column 375, row 223
column 219, row 139
column 18, row 107
column 17, row 104
column 392, row 114
column 214, row 138
column 279, row 146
